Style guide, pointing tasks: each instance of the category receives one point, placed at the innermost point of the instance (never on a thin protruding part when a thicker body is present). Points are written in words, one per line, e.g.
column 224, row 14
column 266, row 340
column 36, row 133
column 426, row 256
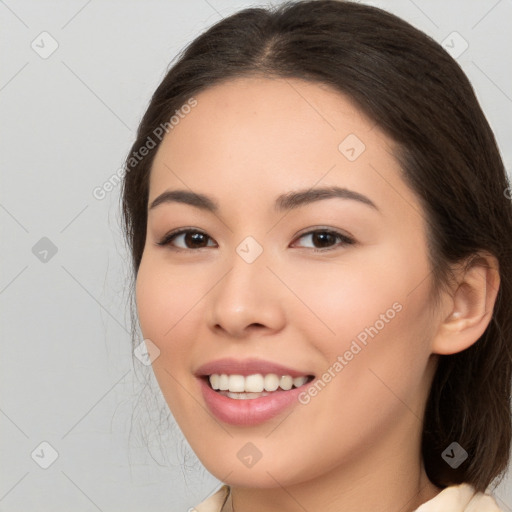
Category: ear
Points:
column 468, row 309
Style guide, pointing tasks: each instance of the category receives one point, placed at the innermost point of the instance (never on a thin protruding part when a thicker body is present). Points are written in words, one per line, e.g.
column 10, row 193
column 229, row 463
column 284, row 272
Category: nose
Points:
column 248, row 299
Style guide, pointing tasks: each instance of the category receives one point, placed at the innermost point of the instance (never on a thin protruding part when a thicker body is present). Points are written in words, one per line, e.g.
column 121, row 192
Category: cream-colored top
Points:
column 456, row 498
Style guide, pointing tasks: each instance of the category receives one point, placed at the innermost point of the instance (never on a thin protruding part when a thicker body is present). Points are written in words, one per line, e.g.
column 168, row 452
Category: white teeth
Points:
column 286, row 382
column 271, row 382
column 246, row 387
column 236, row 383
column 254, row 383
column 223, row 382
column 299, row 381
column 214, row 381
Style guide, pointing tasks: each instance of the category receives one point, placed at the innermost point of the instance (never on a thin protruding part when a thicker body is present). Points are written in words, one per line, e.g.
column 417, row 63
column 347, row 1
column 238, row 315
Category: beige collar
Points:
column 456, row 498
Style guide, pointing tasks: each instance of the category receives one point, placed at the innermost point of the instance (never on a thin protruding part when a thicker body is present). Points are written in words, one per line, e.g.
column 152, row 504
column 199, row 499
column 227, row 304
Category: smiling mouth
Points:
column 240, row 387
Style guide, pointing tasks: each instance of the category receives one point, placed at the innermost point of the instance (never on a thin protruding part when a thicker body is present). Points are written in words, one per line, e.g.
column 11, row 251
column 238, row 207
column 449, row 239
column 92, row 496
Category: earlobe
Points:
column 470, row 307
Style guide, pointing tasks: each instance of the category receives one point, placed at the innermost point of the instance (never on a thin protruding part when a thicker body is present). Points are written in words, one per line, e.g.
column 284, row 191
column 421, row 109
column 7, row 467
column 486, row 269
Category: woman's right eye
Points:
column 186, row 239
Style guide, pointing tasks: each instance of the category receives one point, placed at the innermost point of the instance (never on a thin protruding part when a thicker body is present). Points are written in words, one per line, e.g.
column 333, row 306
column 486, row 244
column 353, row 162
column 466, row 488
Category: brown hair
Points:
column 419, row 96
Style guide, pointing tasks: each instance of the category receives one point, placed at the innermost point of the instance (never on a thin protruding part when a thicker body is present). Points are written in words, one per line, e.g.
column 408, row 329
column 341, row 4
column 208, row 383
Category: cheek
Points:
column 373, row 314
column 165, row 298
column 165, row 307
column 153, row 302
column 339, row 300
column 382, row 352
column 167, row 316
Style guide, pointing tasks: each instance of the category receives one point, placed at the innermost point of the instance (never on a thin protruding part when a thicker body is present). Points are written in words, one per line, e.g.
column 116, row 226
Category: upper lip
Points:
column 246, row 367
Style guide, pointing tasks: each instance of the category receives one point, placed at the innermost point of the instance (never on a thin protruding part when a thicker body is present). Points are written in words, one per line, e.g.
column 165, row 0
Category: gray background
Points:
column 68, row 120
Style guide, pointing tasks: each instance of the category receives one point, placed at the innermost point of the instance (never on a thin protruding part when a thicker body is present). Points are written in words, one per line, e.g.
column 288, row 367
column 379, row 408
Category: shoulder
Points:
column 215, row 502
column 460, row 498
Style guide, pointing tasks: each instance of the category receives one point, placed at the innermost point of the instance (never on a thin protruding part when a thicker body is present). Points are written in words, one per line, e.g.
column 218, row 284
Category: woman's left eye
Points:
column 325, row 239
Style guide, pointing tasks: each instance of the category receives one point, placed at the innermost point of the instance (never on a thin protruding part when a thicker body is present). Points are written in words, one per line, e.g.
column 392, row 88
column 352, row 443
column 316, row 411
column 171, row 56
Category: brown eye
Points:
column 323, row 239
column 186, row 239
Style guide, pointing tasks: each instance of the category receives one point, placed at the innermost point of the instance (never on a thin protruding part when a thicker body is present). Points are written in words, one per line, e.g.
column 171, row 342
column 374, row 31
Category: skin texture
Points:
column 356, row 444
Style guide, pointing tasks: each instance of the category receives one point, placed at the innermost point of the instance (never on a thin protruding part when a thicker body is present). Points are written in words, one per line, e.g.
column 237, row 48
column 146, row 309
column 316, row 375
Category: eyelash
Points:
column 170, row 237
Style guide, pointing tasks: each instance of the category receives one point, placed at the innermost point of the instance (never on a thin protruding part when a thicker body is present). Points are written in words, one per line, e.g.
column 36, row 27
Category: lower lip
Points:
column 250, row 411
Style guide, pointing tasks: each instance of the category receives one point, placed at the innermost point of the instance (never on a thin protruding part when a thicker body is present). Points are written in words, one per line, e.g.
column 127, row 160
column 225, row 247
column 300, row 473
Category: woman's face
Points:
column 277, row 279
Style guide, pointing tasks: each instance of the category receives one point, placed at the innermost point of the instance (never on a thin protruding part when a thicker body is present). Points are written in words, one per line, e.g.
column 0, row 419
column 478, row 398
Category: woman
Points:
column 319, row 225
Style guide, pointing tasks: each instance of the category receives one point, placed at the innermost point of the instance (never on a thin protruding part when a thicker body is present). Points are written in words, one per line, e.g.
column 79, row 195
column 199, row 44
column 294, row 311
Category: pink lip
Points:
column 251, row 411
column 246, row 367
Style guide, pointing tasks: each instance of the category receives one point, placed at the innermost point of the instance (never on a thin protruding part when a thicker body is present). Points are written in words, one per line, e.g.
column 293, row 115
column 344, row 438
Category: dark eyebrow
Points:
column 284, row 202
column 184, row 196
column 302, row 197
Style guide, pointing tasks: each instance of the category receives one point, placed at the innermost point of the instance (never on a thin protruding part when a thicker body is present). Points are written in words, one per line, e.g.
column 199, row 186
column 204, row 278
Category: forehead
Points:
column 275, row 135
column 273, row 113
